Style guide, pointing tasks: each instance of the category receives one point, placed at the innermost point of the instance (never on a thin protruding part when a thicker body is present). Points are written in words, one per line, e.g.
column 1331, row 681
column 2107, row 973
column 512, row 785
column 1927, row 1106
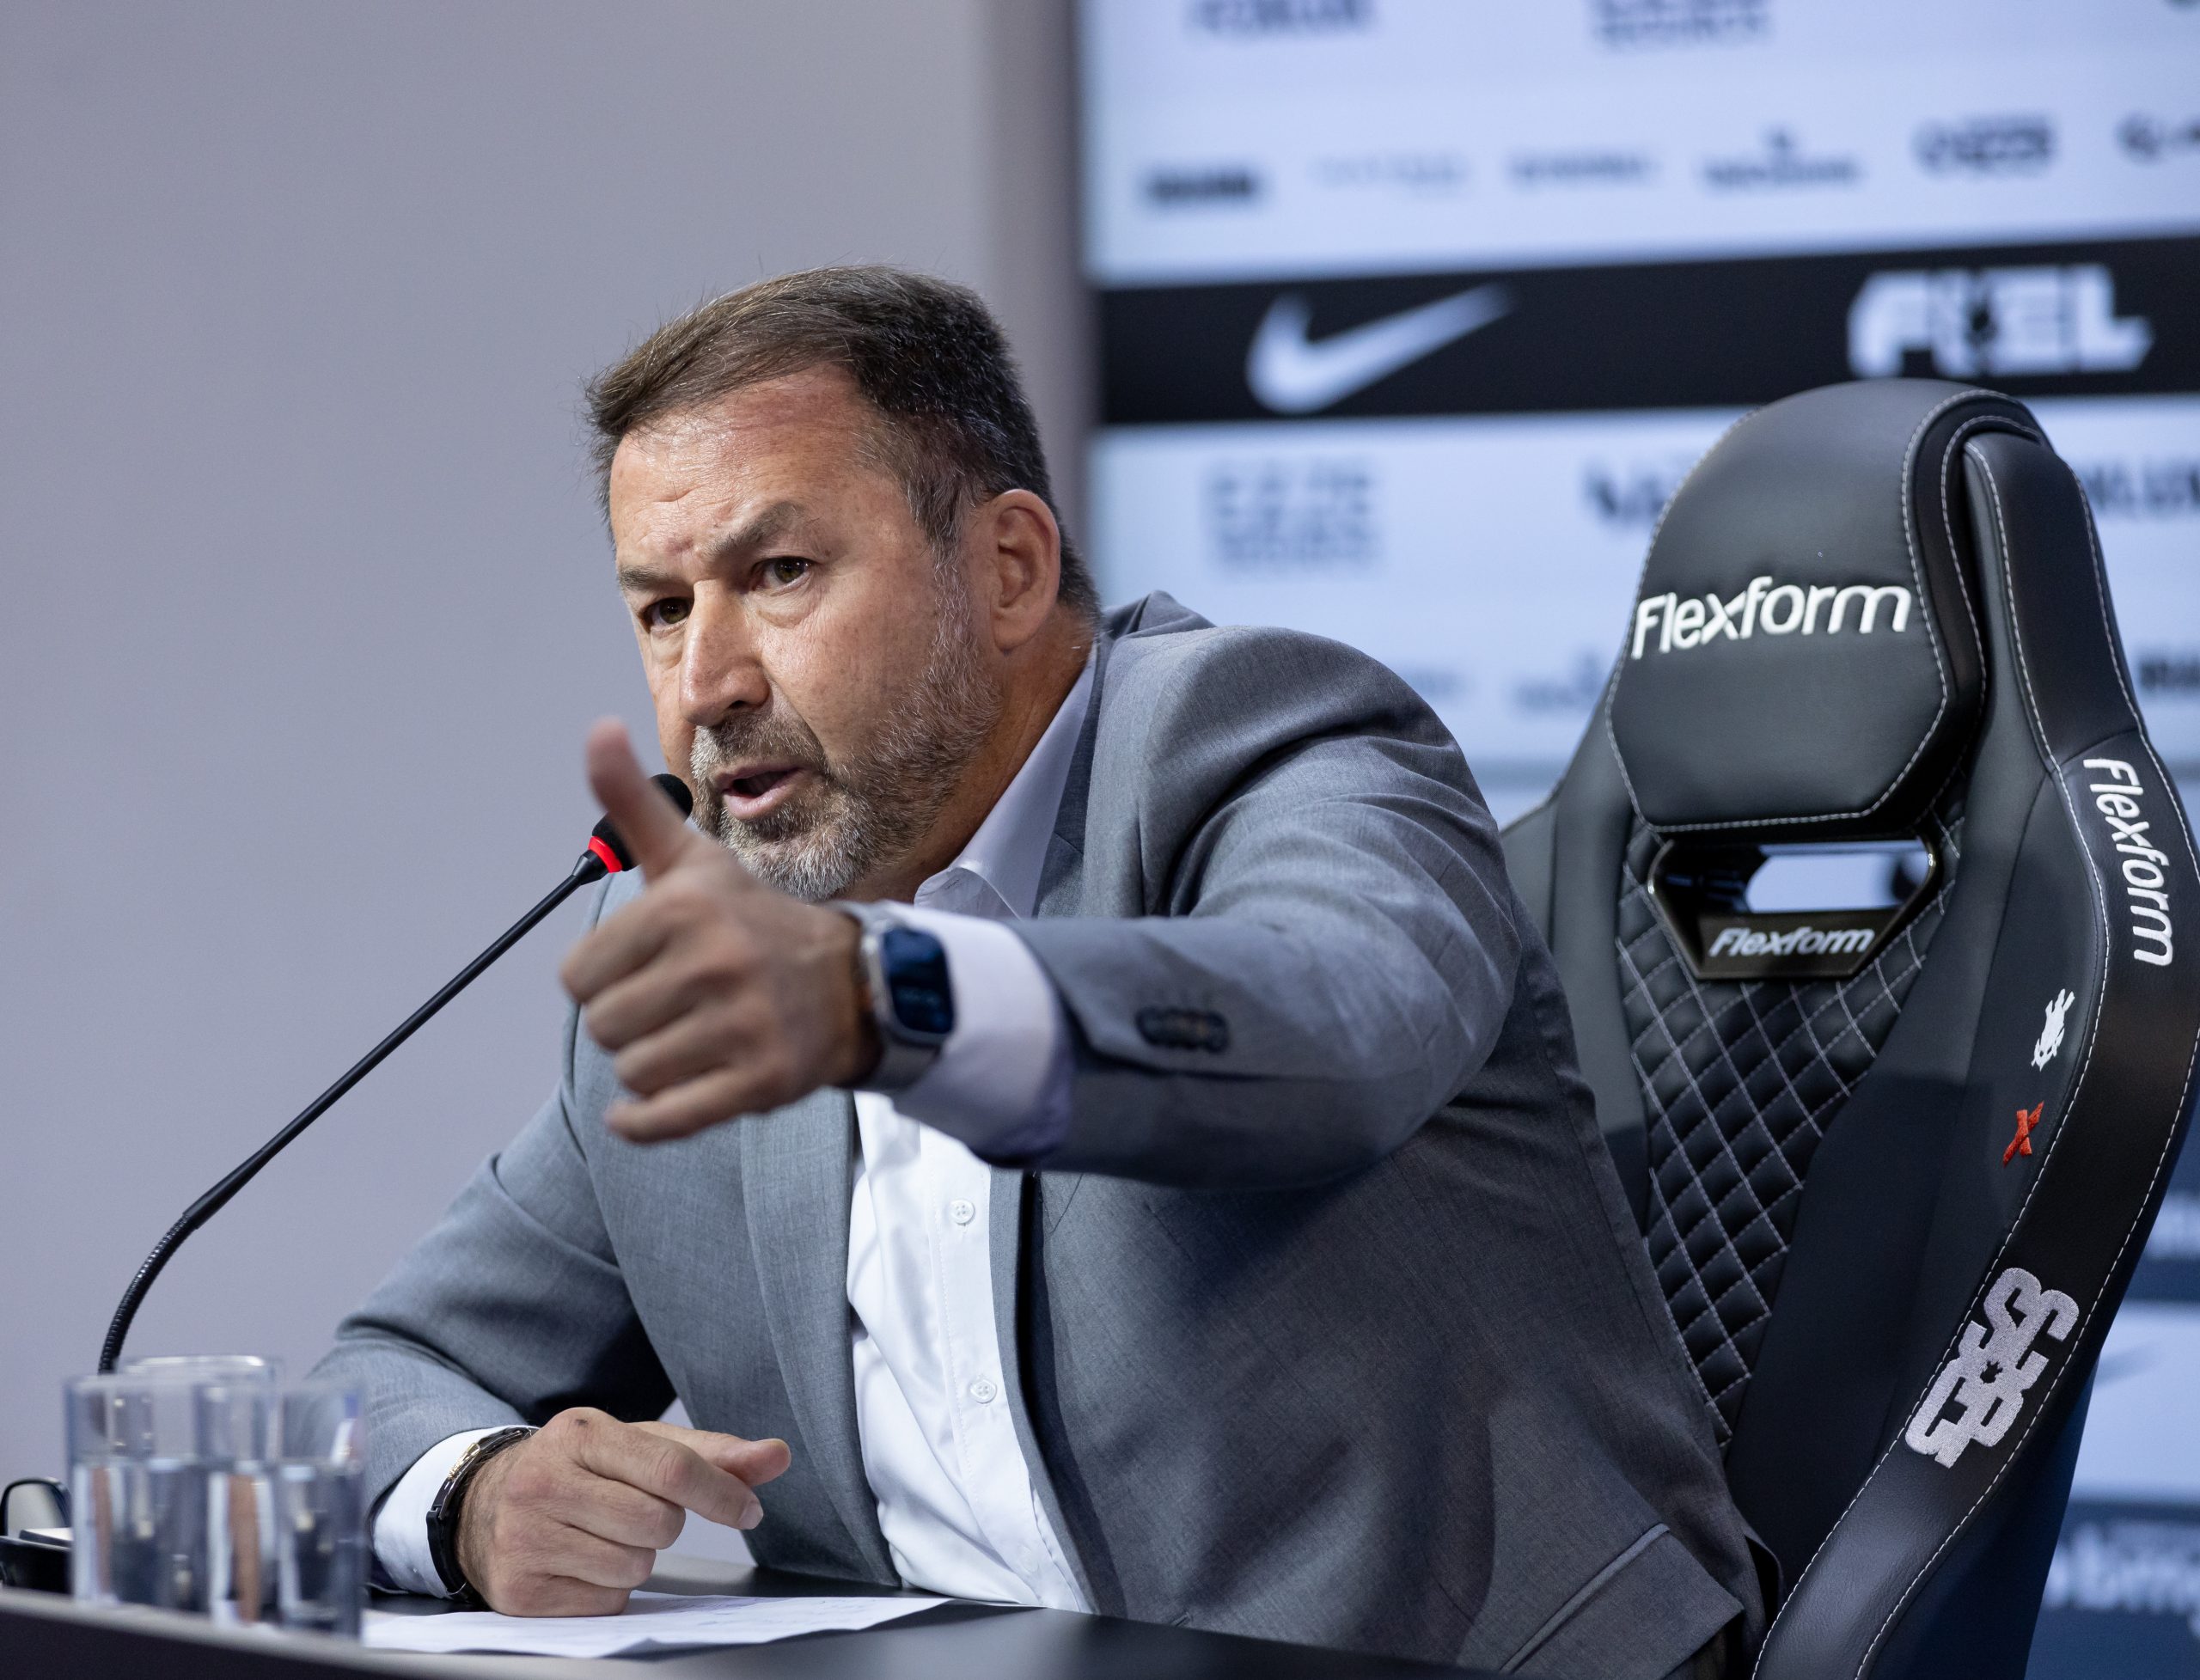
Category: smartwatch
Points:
column 443, row 1514
column 902, row 972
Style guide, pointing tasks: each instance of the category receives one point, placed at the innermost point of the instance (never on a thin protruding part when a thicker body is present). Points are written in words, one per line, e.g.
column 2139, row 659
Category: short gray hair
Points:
column 926, row 354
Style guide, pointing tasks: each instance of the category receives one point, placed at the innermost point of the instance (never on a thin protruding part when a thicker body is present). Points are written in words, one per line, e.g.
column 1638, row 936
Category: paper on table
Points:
column 651, row 1618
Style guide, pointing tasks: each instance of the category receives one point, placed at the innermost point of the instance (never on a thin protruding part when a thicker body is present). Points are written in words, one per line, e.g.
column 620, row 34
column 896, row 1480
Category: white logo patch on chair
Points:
column 1992, row 1367
column 2050, row 1035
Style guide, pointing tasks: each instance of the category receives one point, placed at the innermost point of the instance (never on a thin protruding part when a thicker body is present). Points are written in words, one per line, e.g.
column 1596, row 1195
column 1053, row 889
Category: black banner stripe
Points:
column 1711, row 334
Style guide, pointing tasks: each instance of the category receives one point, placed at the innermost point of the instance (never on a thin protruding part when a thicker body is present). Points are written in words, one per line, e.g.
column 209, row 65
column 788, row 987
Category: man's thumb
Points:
column 754, row 1462
column 652, row 828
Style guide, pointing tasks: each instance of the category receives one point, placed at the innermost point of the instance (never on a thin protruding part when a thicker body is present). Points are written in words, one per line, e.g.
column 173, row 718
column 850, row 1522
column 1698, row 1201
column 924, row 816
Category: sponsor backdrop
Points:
column 1414, row 313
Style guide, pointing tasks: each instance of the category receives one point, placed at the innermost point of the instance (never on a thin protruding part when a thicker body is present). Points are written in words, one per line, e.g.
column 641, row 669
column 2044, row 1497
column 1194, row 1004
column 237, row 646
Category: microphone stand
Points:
column 607, row 854
column 591, row 868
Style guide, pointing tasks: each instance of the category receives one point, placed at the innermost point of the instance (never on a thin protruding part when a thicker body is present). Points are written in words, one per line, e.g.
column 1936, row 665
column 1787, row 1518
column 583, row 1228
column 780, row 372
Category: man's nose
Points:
column 720, row 671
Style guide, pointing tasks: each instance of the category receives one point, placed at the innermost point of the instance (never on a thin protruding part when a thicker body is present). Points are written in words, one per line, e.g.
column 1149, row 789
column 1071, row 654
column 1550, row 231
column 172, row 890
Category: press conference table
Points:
column 43, row 1636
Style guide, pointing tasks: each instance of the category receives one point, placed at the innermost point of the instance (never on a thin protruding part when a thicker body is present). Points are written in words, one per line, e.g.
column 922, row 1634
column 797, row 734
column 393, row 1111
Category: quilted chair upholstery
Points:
column 1894, row 1165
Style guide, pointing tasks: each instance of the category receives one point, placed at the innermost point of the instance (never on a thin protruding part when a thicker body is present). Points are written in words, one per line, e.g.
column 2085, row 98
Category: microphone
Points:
column 607, row 854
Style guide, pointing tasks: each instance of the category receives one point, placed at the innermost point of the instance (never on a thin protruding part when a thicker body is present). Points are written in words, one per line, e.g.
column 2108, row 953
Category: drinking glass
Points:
column 204, row 1368
column 235, row 1411
column 236, row 1406
column 137, row 1493
column 320, row 1482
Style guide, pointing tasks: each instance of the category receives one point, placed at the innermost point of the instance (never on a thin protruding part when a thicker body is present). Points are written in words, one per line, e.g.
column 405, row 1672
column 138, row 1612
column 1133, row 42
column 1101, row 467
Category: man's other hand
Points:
column 715, row 994
column 570, row 1521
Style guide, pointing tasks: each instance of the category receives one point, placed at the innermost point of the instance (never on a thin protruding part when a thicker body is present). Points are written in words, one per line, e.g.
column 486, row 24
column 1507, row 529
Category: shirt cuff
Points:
column 402, row 1525
column 1000, row 1085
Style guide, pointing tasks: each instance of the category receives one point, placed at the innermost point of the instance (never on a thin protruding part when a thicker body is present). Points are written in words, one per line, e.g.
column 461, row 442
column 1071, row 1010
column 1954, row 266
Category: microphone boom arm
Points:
column 607, row 854
column 218, row 1198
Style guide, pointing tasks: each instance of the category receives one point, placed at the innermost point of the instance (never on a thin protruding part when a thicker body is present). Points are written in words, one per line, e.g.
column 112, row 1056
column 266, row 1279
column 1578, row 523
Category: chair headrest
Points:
column 1805, row 662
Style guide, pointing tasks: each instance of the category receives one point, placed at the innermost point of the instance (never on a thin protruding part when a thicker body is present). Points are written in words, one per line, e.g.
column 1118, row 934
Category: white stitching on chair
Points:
column 1643, row 576
column 1924, row 600
column 2092, row 1031
column 1737, row 1135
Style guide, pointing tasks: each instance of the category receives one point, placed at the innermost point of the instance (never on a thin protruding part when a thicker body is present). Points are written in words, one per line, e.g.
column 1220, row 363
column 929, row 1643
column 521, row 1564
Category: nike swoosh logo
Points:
column 1293, row 376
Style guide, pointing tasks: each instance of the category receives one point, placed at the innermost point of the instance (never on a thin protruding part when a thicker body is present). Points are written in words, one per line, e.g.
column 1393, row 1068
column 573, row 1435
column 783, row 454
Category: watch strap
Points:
column 903, row 1060
column 901, row 1065
column 443, row 1511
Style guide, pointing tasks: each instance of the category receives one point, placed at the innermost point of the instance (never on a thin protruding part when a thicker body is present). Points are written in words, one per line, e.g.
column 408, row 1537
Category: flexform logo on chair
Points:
column 1777, row 609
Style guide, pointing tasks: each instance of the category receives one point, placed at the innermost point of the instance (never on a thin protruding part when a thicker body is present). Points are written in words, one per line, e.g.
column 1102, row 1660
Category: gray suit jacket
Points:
column 1330, row 1321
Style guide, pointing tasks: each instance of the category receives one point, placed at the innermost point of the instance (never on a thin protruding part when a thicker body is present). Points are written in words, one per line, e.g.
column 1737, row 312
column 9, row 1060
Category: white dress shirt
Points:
column 955, row 1499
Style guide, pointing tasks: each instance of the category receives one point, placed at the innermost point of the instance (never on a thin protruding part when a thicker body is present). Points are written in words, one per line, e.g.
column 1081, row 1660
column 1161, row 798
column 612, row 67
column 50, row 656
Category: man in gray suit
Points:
column 1083, row 1103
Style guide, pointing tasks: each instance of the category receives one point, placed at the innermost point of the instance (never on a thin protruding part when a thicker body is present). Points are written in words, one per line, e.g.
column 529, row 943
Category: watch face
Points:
column 915, row 967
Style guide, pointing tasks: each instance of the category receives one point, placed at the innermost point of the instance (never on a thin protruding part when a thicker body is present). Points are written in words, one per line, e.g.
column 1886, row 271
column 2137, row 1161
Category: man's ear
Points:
column 1019, row 563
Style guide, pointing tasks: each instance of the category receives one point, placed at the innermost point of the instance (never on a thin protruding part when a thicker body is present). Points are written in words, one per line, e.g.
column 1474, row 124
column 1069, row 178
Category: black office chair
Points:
column 1894, row 1163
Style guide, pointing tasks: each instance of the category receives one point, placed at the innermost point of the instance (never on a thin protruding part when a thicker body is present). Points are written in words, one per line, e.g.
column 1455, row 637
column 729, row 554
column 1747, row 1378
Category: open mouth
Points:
column 755, row 789
column 756, row 786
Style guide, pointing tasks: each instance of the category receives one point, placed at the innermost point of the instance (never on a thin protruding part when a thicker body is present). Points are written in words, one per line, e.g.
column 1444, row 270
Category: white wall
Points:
column 306, row 604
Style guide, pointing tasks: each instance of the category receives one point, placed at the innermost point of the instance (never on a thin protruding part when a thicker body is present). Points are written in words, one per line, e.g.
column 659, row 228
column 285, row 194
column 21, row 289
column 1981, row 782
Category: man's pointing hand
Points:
column 571, row 1521
column 716, row 994
column 656, row 833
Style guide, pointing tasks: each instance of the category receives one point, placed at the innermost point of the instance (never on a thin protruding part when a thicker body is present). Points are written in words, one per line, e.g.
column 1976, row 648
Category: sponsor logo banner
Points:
column 1634, row 25
column 1203, row 186
column 1298, row 515
column 1499, row 562
column 2039, row 318
column 1257, row 20
column 2139, row 1424
column 2150, row 139
column 1586, row 167
column 2122, row 1592
column 1987, row 145
column 1631, row 495
column 2168, row 674
column 1782, row 163
column 1290, row 375
column 2088, row 319
column 2159, row 487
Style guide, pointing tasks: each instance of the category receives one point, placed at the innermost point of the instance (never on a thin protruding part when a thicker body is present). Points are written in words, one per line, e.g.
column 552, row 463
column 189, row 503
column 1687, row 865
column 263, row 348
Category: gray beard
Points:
column 874, row 808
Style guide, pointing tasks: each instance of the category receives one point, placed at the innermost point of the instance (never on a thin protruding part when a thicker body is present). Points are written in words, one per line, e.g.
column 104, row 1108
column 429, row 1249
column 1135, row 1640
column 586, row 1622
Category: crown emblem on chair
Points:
column 2050, row 1034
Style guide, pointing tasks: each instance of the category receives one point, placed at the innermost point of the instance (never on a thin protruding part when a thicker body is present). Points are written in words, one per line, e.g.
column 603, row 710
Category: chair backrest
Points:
column 1894, row 1164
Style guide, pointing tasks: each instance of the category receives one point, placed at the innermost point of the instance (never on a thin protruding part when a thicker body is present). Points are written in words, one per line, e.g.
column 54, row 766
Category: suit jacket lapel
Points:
column 1018, row 1197
column 1061, row 877
column 797, row 1173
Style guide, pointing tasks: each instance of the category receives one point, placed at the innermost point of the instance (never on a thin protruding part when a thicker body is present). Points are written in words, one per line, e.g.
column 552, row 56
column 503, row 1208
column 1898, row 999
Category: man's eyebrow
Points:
column 638, row 577
column 768, row 525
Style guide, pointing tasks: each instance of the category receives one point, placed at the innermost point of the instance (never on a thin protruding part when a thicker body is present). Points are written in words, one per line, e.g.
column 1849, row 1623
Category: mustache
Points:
column 772, row 735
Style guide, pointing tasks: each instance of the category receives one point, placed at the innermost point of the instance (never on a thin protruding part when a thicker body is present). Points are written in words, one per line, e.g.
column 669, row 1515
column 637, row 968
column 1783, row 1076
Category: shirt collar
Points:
column 1008, row 852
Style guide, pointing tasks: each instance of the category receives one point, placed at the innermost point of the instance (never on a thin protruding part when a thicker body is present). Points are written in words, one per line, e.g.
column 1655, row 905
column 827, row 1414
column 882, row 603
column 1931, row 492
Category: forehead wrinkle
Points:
column 704, row 453
column 760, row 529
column 765, row 527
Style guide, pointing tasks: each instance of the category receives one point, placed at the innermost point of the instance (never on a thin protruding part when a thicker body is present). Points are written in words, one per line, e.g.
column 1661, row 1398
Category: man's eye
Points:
column 663, row 614
column 785, row 570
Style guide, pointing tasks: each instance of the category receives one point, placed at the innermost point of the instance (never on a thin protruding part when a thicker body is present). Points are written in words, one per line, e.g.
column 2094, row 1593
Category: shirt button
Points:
column 962, row 1211
column 984, row 1390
